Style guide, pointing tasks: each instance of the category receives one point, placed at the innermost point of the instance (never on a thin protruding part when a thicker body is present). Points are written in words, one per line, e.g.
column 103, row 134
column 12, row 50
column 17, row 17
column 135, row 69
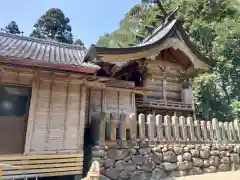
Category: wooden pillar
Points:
column 31, row 117
column 83, row 115
column 123, row 127
column 164, row 89
column 102, row 128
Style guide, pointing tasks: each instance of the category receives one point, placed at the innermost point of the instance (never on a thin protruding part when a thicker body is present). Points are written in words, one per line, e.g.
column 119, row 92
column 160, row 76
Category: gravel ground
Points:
column 230, row 175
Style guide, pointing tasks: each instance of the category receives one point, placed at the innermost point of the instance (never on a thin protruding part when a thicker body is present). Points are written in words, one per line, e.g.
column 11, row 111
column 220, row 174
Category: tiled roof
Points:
column 20, row 47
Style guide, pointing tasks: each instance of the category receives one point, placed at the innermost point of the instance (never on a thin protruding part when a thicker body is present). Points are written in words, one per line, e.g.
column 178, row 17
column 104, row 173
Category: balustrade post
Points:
column 204, row 130
column 102, row 126
column 183, row 128
column 216, row 128
column 113, row 127
column 141, row 119
column 210, row 130
column 232, row 130
column 223, row 131
column 191, row 128
column 198, row 130
column 176, row 128
column 237, row 127
column 226, row 126
column 168, row 127
column 151, row 126
column 133, row 129
column 159, row 124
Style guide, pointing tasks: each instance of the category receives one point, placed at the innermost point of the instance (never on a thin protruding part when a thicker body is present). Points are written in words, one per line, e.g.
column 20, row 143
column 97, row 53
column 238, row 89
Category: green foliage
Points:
column 54, row 25
column 125, row 35
column 235, row 105
column 213, row 26
column 12, row 28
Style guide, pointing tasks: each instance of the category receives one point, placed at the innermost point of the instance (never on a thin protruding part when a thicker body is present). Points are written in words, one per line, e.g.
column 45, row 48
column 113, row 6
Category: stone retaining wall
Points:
column 159, row 161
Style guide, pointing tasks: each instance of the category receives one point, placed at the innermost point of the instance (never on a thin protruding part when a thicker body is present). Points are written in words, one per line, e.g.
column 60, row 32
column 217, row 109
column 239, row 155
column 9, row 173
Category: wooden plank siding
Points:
column 163, row 81
column 56, row 120
column 109, row 101
column 41, row 165
column 13, row 78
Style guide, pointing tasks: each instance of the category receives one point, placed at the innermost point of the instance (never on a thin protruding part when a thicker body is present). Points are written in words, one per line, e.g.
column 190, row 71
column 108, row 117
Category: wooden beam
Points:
column 13, row 157
column 96, row 82
column 46, row 170
column 45, row 174
column 43, row 166
column 44, row 161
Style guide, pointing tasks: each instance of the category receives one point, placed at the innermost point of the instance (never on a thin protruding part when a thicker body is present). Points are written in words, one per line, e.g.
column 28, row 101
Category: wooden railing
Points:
column 167, row 129
column 20, row 166
column 163, row 104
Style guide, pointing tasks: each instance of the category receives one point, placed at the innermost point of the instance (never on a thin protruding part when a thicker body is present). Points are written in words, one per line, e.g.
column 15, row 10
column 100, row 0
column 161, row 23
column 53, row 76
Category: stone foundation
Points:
column 159, row 161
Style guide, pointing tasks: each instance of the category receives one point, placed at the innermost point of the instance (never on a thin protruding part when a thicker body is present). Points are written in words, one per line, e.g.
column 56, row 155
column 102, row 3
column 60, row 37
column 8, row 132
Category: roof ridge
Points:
column 167, row 20
column 157, row 29
column 43, row 41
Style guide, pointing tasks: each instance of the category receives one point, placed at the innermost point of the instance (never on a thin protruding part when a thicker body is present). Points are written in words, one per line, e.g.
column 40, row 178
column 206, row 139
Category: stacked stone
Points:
column 182, row 160
column 138, row 163
column 133, row 163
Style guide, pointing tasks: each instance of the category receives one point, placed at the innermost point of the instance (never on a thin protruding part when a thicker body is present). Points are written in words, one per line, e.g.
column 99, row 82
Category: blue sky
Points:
column 89, row 19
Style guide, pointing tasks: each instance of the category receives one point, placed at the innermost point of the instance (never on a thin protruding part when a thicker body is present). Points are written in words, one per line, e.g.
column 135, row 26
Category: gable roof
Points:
column 168, row 34
column 42, row 51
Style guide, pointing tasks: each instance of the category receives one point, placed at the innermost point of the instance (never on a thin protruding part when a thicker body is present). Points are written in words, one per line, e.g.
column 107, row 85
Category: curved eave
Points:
column 168, row 32
column 171, row 30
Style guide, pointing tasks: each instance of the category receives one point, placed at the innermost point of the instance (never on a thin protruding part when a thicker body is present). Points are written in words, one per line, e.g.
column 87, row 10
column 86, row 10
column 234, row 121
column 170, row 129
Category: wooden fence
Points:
column 166, row 129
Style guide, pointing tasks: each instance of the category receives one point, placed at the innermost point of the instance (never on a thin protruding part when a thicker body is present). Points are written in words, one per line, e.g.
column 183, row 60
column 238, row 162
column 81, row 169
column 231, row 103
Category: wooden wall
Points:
column 56, row 118
column 164, row 85
column 14, row 78
column 109, row 101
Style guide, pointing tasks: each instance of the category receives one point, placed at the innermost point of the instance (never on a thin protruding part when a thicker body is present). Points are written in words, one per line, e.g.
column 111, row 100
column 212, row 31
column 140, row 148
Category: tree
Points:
column 13, row 28
column 54, row 25
column 125, row 35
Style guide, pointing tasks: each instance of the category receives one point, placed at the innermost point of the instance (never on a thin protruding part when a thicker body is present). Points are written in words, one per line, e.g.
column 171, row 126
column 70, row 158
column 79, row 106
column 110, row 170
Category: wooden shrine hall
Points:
column 162, row 63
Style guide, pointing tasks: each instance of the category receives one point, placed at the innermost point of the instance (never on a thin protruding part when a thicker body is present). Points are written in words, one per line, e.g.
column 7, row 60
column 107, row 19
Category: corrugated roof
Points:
column 20, row 47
